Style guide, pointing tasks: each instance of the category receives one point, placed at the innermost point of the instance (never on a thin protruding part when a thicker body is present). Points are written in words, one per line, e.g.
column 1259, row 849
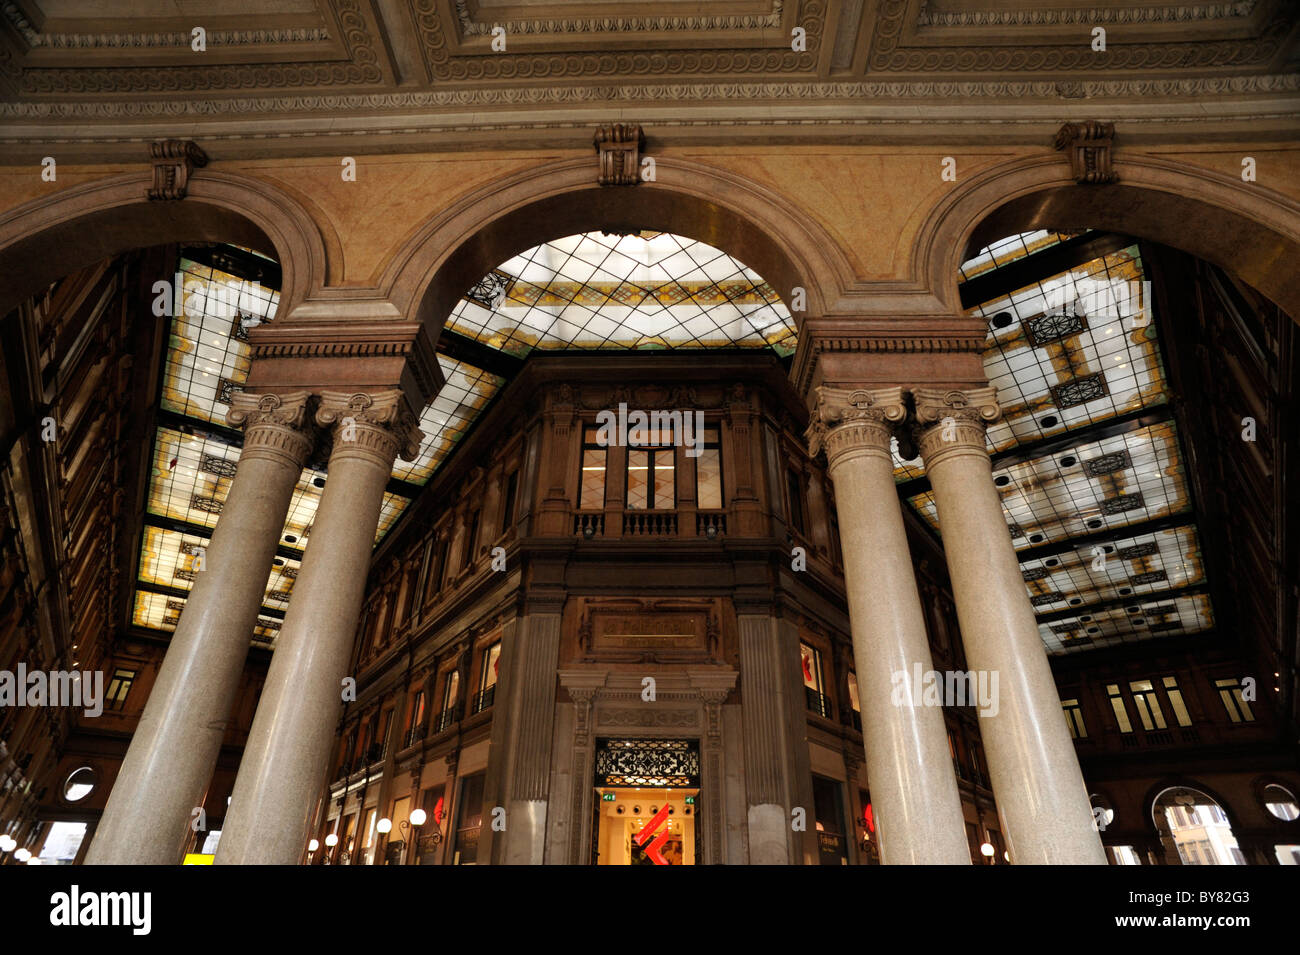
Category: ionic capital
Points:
column 853, row 421
column 278, row 425
column 379, row 425
column 953, row 419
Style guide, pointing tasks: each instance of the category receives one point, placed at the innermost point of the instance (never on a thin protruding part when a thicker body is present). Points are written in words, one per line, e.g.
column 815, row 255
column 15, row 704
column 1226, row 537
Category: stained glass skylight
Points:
column 1102, row 517
column 646, row 290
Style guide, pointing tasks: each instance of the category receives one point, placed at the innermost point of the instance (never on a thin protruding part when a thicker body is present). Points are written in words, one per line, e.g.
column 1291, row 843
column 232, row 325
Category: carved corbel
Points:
column 1089, row 148
column 173, row 161
column 619, row 147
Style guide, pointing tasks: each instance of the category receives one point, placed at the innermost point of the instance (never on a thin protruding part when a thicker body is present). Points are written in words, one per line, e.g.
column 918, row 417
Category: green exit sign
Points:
column 608, row 797
column 690, row 800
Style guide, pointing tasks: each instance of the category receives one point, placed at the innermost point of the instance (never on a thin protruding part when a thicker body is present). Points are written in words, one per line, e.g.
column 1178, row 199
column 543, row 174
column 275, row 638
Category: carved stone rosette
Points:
column 378, row 426
column 849, row 423
column 1088, row 146
column 275, row 426
column 953, row 422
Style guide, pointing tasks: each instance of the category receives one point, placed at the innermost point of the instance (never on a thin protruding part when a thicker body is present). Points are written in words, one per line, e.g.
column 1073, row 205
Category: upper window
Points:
column 652, row 470
column 591, row 486
column 1117, row 704
column 1148, row 707
column 708, row 470
column 794, row 500
column 118, row 688
column 1074, row 717
column 1176, row 701
column 1234, row 701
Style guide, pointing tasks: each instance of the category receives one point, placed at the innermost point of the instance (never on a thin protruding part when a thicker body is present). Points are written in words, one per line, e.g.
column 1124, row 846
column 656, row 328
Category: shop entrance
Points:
column 626, row 812
column 646, row 801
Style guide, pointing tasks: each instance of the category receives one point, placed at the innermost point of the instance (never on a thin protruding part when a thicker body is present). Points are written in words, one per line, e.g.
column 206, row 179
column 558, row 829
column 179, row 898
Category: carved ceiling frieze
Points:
column 341, row 59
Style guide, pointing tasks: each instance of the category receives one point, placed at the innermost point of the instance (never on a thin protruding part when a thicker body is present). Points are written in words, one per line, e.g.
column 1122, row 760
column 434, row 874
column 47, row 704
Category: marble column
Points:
column 293, row 731
column 1036, row 778
column 174, row 750
column 913, row 789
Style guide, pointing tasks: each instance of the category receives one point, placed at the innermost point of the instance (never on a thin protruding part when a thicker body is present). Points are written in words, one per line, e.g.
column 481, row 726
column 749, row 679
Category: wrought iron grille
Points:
column 1052, row 328
column 1035, row 573
column 1052, row 597
column 1121, row 503
column 1079, row 391
column 1108, row 463
column 819, row 703
column 647, row 762
column 483, row 699
column 1138, row 550
column 490, row 290
column 219, row 466
column 1150, row 577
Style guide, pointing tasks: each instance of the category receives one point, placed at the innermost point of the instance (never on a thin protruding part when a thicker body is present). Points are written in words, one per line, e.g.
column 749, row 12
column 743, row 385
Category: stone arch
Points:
column 1251, row 230
column 475, row 235
column 45, row 239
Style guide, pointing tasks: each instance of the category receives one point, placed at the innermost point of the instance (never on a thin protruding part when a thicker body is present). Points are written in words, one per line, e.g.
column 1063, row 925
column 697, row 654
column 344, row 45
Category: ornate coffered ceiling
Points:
column 407, row 74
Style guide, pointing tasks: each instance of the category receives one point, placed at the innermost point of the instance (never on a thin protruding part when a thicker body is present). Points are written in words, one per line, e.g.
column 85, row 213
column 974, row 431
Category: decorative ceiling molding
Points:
column 361, row 68
column 180, row 39
column 864, row 93
column 1089, row 16
column 540, row 26
column 443, row 66
column 891, row 53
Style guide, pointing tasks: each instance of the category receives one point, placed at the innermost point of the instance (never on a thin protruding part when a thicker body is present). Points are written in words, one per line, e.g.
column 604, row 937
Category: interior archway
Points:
column 736, row 216
column 1251, row 231
column 45, row 239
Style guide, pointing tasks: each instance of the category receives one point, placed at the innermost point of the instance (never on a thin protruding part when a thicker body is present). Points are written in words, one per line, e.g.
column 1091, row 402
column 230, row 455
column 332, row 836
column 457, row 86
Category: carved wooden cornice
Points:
column 1088, row 147
column 173, row 161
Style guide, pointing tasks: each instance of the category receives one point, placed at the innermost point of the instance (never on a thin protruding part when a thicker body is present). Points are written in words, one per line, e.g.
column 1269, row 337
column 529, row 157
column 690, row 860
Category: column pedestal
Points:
column 913, row 788
column 174, row 750
column 293, row 732
column 1036, row 778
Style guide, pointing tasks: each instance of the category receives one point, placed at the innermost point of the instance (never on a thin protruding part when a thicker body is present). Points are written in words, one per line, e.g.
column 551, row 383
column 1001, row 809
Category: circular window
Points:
column 1049, row 421
column 1002, row 480
column 1103, row 813
column 1036, row 538
column 1094, row 523
column 1069, row 461
column 1002, row 320
column 1281, row 803
column 79, row 784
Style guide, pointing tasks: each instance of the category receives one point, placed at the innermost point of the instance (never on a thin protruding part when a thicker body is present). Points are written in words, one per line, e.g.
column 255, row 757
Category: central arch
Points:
column 758, row 227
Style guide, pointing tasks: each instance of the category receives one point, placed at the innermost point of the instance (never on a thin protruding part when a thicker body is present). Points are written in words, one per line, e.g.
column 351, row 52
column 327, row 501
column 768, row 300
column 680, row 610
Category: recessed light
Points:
column 1094, row 523
column 1002, row 320
column 1049, row 421
column 1002, row 480
column 1075, row 601
column 1035, row 538
column 1069, row 461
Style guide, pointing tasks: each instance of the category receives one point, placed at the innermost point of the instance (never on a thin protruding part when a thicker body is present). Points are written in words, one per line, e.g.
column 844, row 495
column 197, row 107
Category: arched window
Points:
column 1198, row 827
